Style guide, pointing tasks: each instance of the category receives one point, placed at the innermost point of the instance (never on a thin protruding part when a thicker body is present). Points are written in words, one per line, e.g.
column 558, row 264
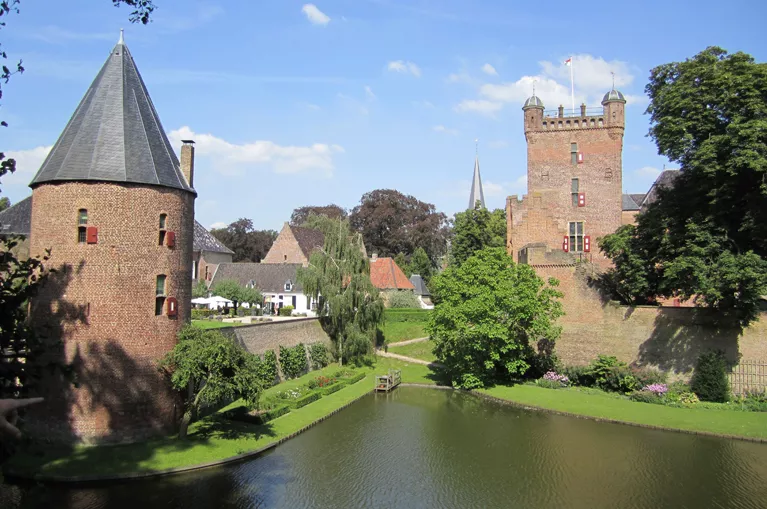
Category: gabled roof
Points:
column 17, row 218
column 267, row 277
column 638, row 198
column 665, row 179
column 114, row 134
column 629, row 204
column 385, row 274
column 204, row 241
column 420, row 285
column 308, row 239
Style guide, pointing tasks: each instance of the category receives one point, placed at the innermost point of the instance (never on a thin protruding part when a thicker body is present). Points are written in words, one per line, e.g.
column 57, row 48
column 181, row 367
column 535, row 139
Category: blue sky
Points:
column 297, row 104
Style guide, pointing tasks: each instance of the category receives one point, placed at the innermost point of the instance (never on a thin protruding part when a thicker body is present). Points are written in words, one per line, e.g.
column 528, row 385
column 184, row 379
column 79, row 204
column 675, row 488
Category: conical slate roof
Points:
column 115, row 134
column 476, row 187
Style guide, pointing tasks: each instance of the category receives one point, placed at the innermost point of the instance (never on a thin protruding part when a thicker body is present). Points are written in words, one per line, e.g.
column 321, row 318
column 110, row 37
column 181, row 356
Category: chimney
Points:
column 187, row 161
column 561, row 111
column 583, row 109
column 374, row 257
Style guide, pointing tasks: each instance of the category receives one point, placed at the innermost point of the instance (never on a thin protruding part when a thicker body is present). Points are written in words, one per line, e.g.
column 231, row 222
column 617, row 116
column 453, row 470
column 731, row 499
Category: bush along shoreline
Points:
column 707, row 389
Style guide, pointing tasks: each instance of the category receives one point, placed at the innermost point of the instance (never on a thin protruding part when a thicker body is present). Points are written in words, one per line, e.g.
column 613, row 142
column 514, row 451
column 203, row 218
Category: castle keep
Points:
column 116, row 208
column 574, row 183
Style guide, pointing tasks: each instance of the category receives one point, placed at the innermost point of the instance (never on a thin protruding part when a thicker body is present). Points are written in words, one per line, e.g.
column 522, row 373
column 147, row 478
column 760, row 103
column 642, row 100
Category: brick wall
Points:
column 629, row 216
column 670, row 338
column 101, row 304
column 210, row 260
column 543, row 215
column 259, row 337
column 285, row 249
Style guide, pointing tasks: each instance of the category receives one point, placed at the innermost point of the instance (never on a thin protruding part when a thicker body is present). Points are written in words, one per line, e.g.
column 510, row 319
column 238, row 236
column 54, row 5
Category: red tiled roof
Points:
column 386, row 275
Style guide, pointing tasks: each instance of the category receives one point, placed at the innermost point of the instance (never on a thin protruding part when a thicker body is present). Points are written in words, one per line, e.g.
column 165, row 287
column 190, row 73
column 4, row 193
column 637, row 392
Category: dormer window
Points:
column 289, row 286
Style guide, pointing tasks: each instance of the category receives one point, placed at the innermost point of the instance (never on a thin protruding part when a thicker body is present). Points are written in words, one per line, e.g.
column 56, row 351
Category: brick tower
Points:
column 116, row 209
column 574, row 183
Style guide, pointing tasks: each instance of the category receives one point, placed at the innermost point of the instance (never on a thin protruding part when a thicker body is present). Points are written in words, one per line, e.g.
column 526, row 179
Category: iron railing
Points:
column 568, row 113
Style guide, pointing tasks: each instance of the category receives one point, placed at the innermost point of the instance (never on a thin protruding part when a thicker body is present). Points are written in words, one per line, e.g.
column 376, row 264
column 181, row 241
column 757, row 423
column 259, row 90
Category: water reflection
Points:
column 425, row 448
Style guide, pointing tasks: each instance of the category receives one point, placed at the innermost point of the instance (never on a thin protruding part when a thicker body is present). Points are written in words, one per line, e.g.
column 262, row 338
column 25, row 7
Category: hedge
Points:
column 330, row 389
column 356, row 378
column 319, row 354
column 286, row 311
column 293, row 360
column 243, row 414
column 309, row 398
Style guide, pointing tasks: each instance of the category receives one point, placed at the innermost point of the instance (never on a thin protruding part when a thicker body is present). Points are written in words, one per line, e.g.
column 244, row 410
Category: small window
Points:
column 159, row 305
column 574, row 186
column 573, row 153
column 608, row 174
column 601, row 122
column 285, row 257
column 576, row 236
column 159, row 300
column 160, row 290
column 82, row 217
column 163, row 219
column 289, row 286
column 82, row 234
column 82, row 230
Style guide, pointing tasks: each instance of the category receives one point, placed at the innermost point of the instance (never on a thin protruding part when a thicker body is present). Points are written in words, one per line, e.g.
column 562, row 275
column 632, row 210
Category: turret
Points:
column 614, row 104
column 533, row 109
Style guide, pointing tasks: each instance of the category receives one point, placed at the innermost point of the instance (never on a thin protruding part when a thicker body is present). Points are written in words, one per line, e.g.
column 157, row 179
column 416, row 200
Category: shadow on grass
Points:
column 439, row 375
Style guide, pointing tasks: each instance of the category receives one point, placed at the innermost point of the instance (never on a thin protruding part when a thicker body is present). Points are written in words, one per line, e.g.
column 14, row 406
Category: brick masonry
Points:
column 670, row 338
column 101, row 304
column 259, row 337
column 207, row 263
column 285, row 249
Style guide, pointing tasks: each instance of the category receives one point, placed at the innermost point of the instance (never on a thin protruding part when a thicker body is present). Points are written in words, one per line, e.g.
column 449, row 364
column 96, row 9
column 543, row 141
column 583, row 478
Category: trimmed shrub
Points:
column 602, row 367
column 319, row 354
column 240, row 311
column 548, row 384
column 579, row 375
column 244, row 415
column 646, row 397
column 649, row 376
column 619, row 379
column 401, row 299
column 267, row 370
column 293, row 360
column 356, row 378
column 309, row 398
column 202, row 314
column 286, row 310
column 333, row 388
column 709, row 380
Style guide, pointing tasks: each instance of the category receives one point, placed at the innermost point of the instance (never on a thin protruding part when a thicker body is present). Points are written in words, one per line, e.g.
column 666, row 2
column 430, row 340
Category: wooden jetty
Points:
column 385, row 383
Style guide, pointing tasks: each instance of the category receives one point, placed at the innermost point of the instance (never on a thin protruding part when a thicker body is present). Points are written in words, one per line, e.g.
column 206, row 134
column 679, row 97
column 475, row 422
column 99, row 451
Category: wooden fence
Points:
column 748, row 375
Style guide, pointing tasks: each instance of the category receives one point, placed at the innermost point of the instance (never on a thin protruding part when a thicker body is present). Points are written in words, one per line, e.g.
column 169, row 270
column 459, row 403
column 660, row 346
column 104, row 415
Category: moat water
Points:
column 420, row 448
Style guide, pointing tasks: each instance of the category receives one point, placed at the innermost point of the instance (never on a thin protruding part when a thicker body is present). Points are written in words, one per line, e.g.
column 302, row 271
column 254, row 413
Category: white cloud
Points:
column 219, row 224
column 591, row 74
column 498, row 144
column 550, row 92
column 314, row 15
column 648, row 171
column 406, row 67
column 489, row 69
column 446, row 130
column 28, row 162
column 236, row 159
column 518, row 186
column 369, row 93
column 481, row 106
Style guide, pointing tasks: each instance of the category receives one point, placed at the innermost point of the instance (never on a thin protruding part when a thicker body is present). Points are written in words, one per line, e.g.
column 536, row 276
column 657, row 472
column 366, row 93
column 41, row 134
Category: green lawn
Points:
column 422, row 350
column 214, row 324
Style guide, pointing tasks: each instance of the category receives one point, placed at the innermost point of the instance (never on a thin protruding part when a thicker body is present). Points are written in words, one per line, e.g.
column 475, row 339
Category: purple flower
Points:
column 555, row 377
column 657, row 389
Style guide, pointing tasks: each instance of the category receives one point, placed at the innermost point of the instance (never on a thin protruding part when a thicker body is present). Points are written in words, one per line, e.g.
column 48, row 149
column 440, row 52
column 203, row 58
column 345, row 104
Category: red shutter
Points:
column 92, row 235
column 580, row 157
column 172, row 306
column 566, row 244
column 170, row 239
column 581, row 199
column 587, row 243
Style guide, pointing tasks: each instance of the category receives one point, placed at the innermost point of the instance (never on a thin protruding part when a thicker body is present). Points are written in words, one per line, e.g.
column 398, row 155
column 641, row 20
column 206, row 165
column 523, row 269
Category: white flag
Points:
column 569, row 62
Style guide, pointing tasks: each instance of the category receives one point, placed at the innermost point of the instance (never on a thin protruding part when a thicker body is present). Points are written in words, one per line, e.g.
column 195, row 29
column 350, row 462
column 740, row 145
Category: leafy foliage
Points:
column 267, row 370
column 391, row 222
column 199, row 290
column 251, row 296
column 705, row 237
column 248, row 244
column 319, row 355
column 709, row 380
column 402, row 263
column 421, row 264
column 350, row 306
column 286, row 311
column 301, row 214
column 477, row 229
column 4, row 203
column 229, row 289
column 293, row 360
column 489, row 315
column 215, row 368
column 402, row 299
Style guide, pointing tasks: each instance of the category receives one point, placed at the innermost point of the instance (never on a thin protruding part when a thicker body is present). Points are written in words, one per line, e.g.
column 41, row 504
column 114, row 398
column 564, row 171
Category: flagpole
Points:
column 572, row 85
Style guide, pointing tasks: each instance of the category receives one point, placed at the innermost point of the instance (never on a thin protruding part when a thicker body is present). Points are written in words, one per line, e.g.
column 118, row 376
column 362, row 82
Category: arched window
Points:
column 163, row 224
column 82, row 226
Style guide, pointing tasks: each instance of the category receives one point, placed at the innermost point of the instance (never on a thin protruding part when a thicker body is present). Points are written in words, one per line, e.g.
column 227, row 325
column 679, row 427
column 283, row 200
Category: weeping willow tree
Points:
column 338, row 276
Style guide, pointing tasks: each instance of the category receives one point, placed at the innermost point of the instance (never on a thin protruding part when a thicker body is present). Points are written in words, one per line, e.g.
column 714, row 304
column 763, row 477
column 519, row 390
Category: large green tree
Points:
column 301, row 214
column 421, row 264
column 705, row 237
column 350, row 307
column 490, row 315
column 229, row 289
column 391, row 222
column 210, row 369
column 248, row 244
column 476, row 229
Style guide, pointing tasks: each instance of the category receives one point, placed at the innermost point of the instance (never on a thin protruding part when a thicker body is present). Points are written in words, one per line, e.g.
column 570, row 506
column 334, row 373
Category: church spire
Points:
column 476, row 183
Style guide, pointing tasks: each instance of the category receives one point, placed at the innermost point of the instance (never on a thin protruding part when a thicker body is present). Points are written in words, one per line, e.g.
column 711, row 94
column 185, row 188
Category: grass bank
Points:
column 403, row 324
column 214, row 324
column 211, row 439
column 422, row 350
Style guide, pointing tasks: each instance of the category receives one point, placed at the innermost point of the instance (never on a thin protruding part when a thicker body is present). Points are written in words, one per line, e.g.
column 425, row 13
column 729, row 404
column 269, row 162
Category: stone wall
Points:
column 257, row 338
column 670, row 338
